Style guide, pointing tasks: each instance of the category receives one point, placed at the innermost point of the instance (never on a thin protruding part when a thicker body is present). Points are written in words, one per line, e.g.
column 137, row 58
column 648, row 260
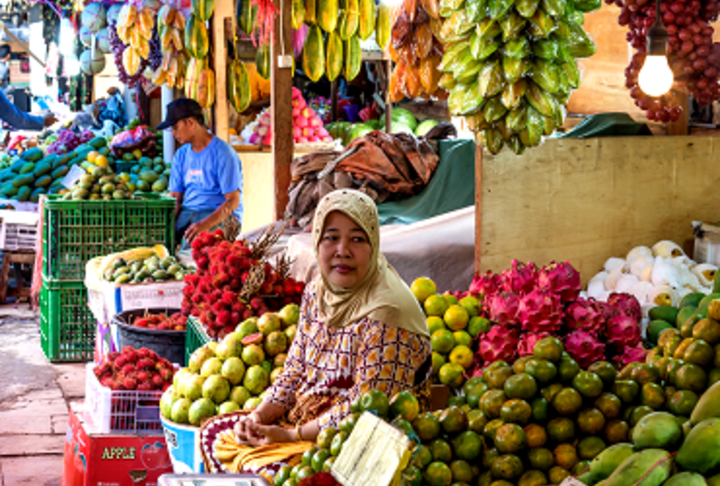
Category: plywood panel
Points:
column 587, row 200
column 603, row 83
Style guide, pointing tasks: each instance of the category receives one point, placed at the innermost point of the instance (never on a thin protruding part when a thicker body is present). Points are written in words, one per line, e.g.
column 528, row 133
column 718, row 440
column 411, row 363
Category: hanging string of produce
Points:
column 693, row 57
column 510, row 66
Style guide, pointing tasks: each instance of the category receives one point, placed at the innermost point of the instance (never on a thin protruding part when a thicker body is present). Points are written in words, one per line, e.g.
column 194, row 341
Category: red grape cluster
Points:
column 156, row 55
column 693, row 58
column 68, row 140
column 117, row 47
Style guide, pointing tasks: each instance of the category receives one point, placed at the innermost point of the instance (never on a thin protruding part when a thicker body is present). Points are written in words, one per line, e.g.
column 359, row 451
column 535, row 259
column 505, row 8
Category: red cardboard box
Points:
column 93, row 459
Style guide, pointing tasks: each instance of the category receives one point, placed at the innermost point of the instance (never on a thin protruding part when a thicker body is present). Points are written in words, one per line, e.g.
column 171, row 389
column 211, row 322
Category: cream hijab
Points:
column 382, row 295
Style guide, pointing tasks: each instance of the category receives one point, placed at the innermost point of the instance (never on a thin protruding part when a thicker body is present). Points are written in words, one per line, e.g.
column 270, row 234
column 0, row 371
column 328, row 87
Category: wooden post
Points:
column 281, row 105
column 388, row 103
column 478, row 206
column 681, row 126
column 224, row 9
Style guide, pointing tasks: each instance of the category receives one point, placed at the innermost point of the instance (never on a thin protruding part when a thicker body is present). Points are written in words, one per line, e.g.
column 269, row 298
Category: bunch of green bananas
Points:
column 509, row 65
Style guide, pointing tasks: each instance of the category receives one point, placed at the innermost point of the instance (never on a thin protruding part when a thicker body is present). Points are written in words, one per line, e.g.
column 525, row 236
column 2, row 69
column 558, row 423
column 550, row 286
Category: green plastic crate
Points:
column 67, row 327
column 75, row 232
column 195, row 337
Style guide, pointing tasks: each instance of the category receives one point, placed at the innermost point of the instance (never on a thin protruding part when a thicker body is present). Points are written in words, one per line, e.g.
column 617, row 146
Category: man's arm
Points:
column 232, row 200
column 178, row 202
column 18, row 118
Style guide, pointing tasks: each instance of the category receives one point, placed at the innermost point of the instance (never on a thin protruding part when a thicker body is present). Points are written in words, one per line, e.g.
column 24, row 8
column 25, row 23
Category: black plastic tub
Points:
column 167, row 344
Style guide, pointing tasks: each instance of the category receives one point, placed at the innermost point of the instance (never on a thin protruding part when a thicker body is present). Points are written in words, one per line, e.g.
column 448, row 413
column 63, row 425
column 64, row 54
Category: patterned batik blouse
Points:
column 328, row 368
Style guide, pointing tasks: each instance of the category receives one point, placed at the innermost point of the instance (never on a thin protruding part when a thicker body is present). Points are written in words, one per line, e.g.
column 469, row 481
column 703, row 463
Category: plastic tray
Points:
column 17, row 236
column 67, row 327
column 113, row 411
column 195, row 337
column 74, row 232
column 167, row 344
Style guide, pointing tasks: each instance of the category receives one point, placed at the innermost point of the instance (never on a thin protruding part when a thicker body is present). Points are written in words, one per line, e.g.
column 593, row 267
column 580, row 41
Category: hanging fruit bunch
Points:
column 510, row 66
column 135, row 27
column 332, row 45
column 416, row 49
column 171, row 27
column 692, row 55
column 199, row 76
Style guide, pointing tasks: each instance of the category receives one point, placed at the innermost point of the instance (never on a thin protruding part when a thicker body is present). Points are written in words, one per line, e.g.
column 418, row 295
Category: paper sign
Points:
column 73, row 176
column 572, row 482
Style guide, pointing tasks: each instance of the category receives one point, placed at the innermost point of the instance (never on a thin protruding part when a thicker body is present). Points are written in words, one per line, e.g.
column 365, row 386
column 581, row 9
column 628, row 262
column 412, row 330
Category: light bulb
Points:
column 655, row 78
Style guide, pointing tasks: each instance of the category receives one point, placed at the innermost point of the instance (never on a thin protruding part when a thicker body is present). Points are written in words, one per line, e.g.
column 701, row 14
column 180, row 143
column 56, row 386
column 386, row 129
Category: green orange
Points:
column 542, row 370
column 442, row 341
column 453, row 420
column 591, row 421
column 423, row 457
column 588, row 384
column 435, row 305
column 567, row 401
column 541, row 458
column 325, row 437
column 507, row 466
column 536, row 436
column 609, row 404
column 521, row 386
column 478, row 325
column 606, row 371
column 405, row 405
column 456, row 317
column 471, row 305
column 461, row 472
column 441, row 451
column 549, row 348
column 427, row 426
column 462, row 338
column 422, row 288
column 589, row 447
column 468, row 446
column 438, row 474
column 435, row 323
column 462, row 355
column 683, row 402
column 510, row 438
column 437, row 361
column 516, row 411
column 561, row 429
column 452, row 375
column 476, row 421
column 565, row 456
column 375, row 401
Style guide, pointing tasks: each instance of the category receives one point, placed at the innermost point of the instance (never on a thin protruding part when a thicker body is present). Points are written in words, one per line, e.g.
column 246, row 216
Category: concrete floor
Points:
column 34, row 394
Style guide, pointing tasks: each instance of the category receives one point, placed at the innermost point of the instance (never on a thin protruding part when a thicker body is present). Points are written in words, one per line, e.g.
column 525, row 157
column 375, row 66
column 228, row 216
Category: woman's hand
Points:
column 272, row 434
column 243, row 433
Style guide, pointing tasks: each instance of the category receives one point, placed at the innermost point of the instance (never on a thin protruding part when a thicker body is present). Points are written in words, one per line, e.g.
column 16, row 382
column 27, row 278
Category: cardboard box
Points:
column 93, row 459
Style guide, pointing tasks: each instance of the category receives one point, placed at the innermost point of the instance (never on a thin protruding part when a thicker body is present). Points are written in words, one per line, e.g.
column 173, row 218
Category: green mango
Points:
column 650, row 467
column 605, row 463
column 700, row 452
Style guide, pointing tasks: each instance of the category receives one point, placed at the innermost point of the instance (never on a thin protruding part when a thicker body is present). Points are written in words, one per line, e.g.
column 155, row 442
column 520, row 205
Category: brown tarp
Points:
column 384, row 166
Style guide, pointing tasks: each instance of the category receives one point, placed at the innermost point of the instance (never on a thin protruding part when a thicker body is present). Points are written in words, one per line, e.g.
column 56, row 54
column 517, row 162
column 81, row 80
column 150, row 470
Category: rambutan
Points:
column 256, row 303
column 223, row 318
column 142, row 376
column 127, row 369
column 188, row 290
column 235, row 284
column 112, row 356
column 129, row 383
column 228, row 298
column 158, row 381
column 234, row 260
column 120, row 361
column 235, row 318
column 209, row 299
column 144, row 364
column 107, row 382
column 237, row 306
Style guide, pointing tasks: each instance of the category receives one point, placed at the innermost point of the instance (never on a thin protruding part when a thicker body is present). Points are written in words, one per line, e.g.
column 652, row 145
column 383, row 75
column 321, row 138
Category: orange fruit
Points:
column 375, row 401
column 450, row 299
column 438, row 474
column 405, row 405
column 462, row 355
column 422, row 288
column 471, row 305
column 92, row 156
column 435, row 305
column 478, row 325
column 462, row 338
column 456, row 317
column 101, row 161
column 435, row 323
column 437, row 361
column 451, row 374
column 442, row 341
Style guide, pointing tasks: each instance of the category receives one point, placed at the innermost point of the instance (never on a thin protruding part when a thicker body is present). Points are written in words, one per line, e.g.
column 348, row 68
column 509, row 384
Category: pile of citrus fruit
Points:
column 453, row 325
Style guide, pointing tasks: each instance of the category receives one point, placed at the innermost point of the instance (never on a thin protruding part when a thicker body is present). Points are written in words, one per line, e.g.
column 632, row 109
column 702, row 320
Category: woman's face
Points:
column 344, row 251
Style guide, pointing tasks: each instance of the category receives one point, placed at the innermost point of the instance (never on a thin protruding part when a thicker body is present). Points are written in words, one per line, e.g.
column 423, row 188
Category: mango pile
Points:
column 148, row 270
column 234, row 373
column 34, row 174
column 510, row 65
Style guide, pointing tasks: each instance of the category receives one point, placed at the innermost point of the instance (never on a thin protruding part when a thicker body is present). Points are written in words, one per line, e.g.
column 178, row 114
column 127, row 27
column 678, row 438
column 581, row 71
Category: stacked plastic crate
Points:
column 74, row 232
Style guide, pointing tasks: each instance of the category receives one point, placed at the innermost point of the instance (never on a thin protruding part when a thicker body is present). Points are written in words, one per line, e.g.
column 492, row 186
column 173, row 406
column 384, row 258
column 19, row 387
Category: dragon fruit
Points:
column 627, row 304
column 499, row 344
column 503, row 308
column 586, row 315
column 527, row 342
column 622, row 331
column 521, row 278
column 631, row 355
column 561, row 279
column 540, row 310
column 584, row 347
column 485, row 285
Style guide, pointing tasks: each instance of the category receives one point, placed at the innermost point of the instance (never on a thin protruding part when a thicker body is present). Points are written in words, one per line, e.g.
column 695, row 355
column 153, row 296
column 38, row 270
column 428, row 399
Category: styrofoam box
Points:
column 115, row 298
column 18, row 230
column 113, row 411
column 707, row 243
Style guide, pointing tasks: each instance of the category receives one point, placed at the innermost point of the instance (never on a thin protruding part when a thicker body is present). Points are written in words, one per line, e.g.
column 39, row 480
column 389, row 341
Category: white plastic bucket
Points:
column 183, row 443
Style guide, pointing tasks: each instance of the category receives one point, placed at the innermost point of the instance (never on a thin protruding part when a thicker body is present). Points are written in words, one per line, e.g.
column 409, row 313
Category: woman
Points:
column 361, row 328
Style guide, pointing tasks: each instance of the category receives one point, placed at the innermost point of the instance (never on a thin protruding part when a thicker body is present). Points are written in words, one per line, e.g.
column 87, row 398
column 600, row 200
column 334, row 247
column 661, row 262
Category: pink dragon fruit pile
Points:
column 527, row 303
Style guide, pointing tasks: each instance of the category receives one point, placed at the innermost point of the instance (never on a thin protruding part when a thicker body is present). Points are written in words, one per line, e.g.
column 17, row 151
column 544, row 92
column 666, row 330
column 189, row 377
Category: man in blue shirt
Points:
column 21, row 120
column 206, row 177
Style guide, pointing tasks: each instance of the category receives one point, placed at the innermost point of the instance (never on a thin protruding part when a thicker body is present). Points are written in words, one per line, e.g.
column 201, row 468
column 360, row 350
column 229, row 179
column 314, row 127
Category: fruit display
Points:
column 233, row 282
column 161, row 322
column 510, row 67
column 35, row 173
column 148, row 175
column 67, row 140
column 233, row 374
column 308, row 127
column 692, row 55
column 661, row 275
column 416, row 49
column 147, row 270
column 135, row 369
column 135, row 28
column 402, row 121
column 171, row 30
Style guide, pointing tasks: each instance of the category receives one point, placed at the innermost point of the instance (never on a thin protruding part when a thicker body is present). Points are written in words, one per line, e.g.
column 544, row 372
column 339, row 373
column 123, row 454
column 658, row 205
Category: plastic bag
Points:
column 139, row 138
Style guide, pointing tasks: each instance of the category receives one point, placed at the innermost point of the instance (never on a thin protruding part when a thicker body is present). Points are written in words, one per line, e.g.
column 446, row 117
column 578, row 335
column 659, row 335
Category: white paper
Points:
column 73, row 176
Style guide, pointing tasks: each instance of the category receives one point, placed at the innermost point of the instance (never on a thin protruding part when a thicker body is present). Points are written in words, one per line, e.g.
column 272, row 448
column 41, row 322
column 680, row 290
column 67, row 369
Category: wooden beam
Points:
column 281, row 106
column 478, row 206
column 224, row 11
